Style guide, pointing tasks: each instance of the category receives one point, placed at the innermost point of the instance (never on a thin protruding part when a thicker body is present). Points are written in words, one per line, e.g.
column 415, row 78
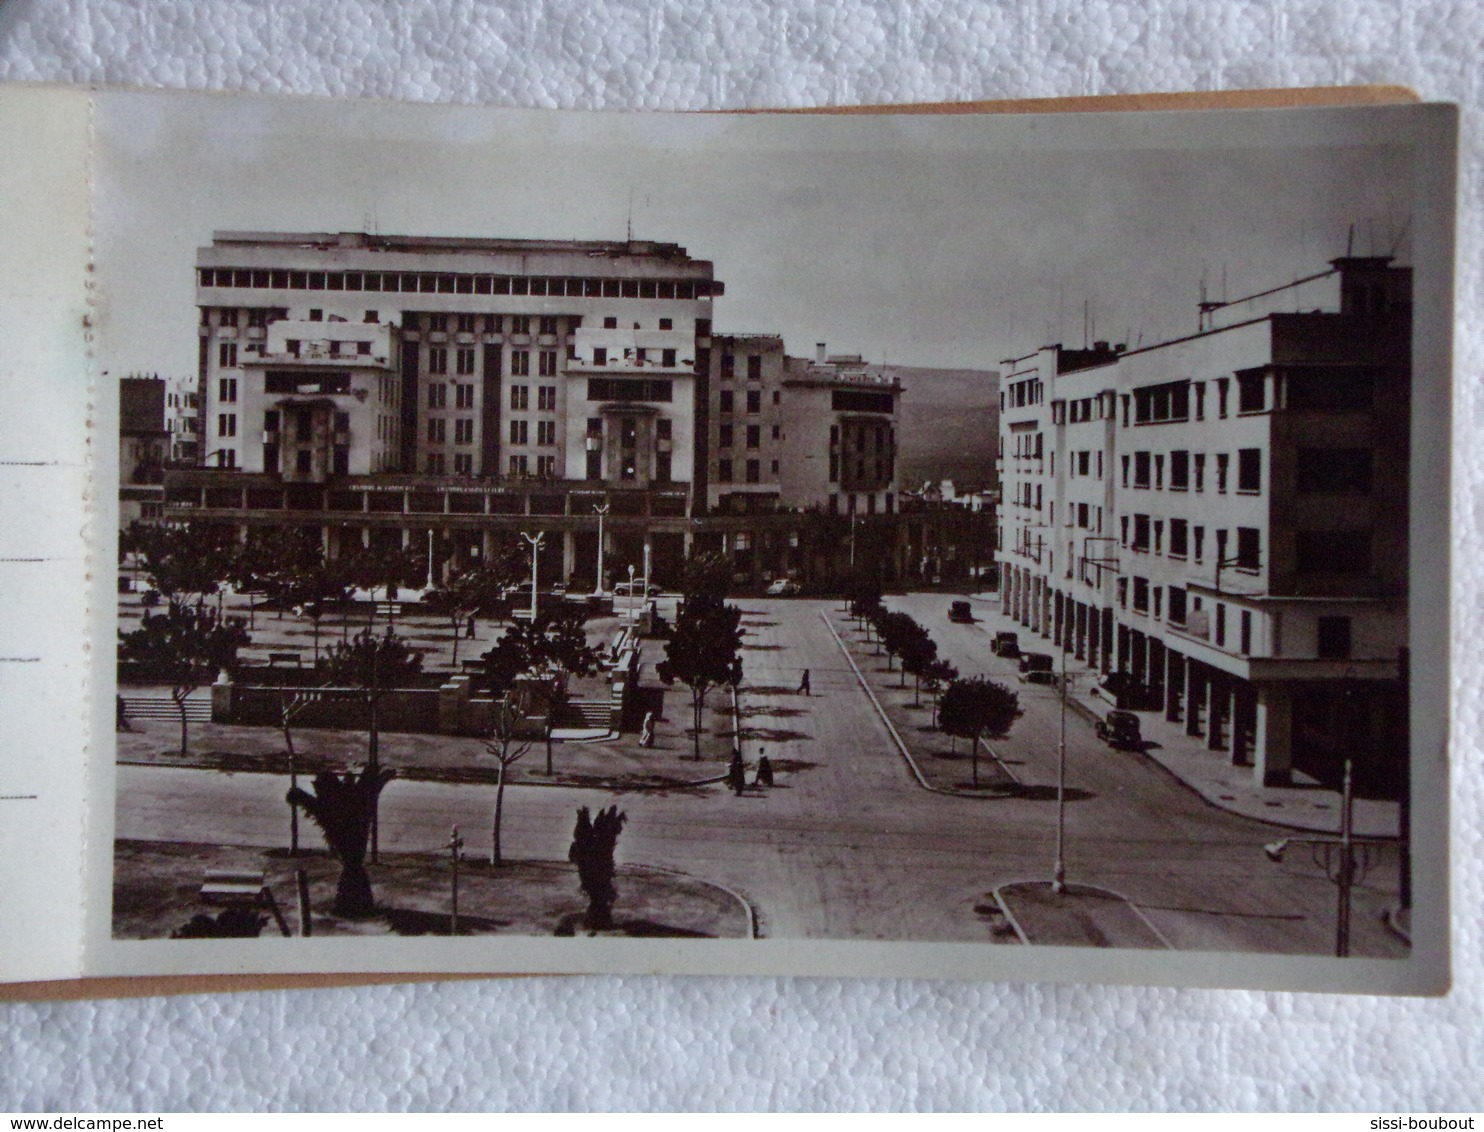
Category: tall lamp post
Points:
column 535, row 543
column 630, row 610
column 602, row 510
column 1059, row 872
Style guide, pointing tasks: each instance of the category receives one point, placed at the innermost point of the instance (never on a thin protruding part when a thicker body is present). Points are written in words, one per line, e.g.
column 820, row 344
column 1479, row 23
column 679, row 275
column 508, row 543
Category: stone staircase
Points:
column 197, row 708
column 585, row 715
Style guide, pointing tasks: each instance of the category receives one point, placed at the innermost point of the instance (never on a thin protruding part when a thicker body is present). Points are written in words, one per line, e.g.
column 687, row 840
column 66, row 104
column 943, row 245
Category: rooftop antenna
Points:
column 1350, row 242
column 1084, row 324
column 629, row 228
column 1400, row 235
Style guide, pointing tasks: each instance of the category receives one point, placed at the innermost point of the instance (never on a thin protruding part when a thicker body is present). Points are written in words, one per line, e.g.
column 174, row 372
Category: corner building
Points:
column 1223, row 519
column 376, row 388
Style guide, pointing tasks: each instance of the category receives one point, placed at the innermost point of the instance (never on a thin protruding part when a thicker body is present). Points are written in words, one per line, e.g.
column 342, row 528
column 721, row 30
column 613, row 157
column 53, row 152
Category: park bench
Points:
column 285, row 657
column 238, row 888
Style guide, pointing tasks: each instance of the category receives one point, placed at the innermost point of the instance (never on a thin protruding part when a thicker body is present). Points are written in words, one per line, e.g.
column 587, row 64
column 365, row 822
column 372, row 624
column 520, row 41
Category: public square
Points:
column 858, row 838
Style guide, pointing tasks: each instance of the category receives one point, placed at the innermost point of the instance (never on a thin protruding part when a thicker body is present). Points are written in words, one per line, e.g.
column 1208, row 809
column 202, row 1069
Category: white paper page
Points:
column 44, row 516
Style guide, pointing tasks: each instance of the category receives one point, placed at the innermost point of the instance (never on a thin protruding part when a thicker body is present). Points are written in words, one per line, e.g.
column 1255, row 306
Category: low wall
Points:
column 399, row 709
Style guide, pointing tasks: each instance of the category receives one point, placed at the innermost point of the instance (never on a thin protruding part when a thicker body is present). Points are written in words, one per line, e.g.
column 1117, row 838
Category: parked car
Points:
column 960, row 611
column 1037, row 668
column 782, row 587
column 1005, row 644
column 1120, row 729
column 634, row 589
column 1123, row 691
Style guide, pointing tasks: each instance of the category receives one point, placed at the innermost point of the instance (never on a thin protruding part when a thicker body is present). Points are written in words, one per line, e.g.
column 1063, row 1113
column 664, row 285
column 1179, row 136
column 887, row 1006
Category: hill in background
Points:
column 948, row 424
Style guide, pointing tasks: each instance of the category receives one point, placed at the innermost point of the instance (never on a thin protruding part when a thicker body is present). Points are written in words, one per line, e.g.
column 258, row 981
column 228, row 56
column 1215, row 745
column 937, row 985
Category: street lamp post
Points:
column 630, row 610
column 645, row 603
column 602, row 510
column 535, row 543
column 1059, row 872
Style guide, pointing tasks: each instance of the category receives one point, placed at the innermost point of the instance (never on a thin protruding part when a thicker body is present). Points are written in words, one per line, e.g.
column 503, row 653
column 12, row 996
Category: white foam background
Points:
column 651, row 1043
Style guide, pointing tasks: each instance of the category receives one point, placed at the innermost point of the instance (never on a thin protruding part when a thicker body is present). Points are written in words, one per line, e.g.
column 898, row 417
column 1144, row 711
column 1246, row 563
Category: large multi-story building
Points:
column 382, row 388
column 792, row 433
column 1223, row 518
column 144, row 447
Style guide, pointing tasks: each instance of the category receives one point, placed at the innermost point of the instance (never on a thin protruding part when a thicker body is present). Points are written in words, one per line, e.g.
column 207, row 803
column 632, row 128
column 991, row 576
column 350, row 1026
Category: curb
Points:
column 1138, row 912
column 402, row 776
column 747, row 905
column 897, row 739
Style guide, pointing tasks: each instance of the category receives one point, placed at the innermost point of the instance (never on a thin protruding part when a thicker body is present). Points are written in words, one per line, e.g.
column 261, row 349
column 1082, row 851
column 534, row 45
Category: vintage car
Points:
column 782, row 587
column 1005, row 644
column 960, row 611
column 1037, row 668
column 1120, row 729
column 1122, row 690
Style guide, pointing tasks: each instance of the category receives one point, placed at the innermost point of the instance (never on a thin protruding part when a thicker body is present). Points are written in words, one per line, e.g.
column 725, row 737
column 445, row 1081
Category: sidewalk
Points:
column 1311, row 809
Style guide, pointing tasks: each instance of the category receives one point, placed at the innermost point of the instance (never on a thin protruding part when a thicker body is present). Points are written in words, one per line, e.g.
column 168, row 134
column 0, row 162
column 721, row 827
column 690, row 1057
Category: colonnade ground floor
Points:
column 1288, row 731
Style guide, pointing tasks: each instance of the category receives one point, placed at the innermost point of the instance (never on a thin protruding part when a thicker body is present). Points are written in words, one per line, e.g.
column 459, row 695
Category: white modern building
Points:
column 1222, row 518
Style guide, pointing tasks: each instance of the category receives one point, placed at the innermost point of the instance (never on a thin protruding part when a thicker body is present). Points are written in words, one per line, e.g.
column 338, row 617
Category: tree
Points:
column 503, row 744
column 897, row 631
column 464, row 594
column 373, row 568
column 344, row 808
column 936, row 676
column 703, row 652
column 593, row 845
column 374, row 665
column 271, row 561
column 185, row 561
column 313, row 589
column 706, row 575
column 862, row 590
column 186, row 645
column 977, row 707
column 918, row 654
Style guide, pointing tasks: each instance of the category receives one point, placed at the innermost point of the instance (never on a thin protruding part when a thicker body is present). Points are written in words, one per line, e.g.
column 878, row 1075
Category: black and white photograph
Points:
column 992, row 546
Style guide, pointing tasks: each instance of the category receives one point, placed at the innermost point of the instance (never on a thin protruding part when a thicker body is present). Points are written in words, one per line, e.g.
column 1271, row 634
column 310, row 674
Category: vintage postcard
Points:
column 974, row 546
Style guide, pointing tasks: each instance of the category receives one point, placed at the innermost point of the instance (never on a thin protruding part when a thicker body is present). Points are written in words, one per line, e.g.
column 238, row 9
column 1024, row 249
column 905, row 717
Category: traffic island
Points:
column 1079, row 916
column 157, row 890
column 620, row 764
column 938, row 761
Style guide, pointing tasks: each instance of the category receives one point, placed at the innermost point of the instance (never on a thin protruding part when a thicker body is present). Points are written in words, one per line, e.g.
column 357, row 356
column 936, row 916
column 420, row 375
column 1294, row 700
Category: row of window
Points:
column 463, row 395
column 754, row 435
column 752, row 471
column 882, row 466
column 727, row 400
column 456, row 283
column 520, row 398
column 463, row 464
column 1188, row 471
column 637, row 355
column 754, row 366
column 1187, row 541
column 474, row 323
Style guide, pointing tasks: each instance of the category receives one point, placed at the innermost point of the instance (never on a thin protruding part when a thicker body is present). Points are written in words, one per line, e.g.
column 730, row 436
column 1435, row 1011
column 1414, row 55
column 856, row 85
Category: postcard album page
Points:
column 944, row 546
column 46, row 447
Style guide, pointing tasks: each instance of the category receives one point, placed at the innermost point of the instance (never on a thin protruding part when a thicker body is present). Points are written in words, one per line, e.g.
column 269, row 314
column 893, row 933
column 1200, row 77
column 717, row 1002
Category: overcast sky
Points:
column 931, row 241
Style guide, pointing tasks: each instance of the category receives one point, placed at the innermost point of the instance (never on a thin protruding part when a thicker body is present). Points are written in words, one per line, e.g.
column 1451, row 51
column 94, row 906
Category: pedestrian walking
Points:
column 764, row 772
column 469, row 630
column 120, row 714
column 737, row 774
column 804, row 684
column 646, row 732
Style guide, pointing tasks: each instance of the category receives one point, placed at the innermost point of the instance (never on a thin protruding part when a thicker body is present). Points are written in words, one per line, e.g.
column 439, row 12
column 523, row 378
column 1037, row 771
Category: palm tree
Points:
column 344, row 808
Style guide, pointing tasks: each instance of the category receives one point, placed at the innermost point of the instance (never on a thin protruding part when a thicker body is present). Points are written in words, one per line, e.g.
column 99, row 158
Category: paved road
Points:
column 846, row 845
